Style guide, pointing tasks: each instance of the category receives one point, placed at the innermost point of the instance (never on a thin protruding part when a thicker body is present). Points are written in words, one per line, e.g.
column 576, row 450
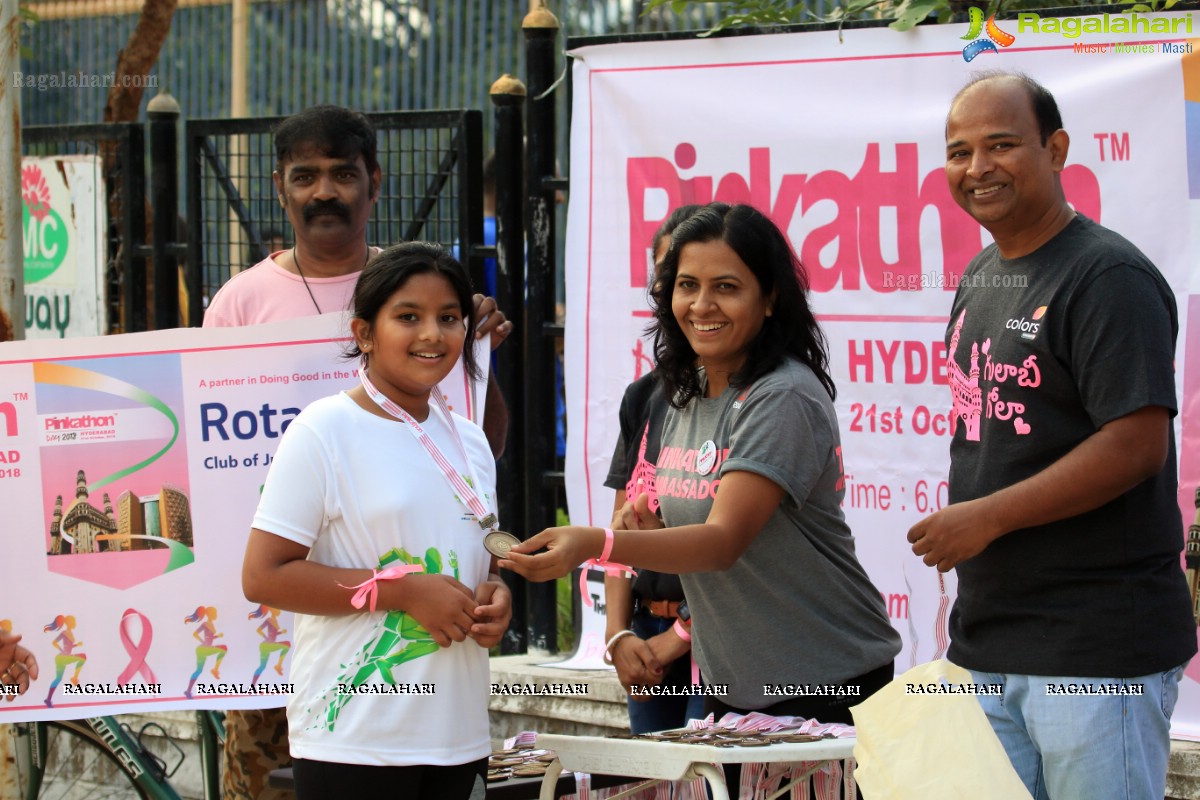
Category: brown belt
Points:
column 665, row 609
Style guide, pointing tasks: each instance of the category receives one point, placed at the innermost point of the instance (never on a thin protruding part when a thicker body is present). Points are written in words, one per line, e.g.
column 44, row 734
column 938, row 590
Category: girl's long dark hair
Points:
column 792, row 328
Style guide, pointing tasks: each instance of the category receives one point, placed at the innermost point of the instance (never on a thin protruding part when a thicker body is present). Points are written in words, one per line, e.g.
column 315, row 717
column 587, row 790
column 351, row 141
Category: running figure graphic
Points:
column 205, row 633
column 270, row 631
column 65, row 643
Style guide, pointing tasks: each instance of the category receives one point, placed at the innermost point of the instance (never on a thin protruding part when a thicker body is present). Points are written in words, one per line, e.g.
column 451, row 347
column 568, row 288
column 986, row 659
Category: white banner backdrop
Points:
column 841, row 144
column 130, row 469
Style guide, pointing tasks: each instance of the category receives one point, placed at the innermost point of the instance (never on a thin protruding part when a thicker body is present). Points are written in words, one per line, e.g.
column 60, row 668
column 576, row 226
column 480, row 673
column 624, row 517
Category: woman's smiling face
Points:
column 718, row 304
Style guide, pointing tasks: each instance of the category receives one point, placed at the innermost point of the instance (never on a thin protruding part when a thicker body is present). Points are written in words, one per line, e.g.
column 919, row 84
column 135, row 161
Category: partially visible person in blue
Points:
column 489, row 222
column 1063, row 524
column 490, row 283
column 644, row 643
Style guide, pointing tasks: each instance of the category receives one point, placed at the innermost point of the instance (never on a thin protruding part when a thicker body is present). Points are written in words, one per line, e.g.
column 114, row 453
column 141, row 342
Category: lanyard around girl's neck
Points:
column 466, row 495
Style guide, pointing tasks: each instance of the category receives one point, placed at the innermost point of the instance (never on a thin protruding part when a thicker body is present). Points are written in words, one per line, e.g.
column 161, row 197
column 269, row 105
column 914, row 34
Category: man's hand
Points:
column 17, row 664
column 954, row 534
column 636, row 665
column 493, row 612
column 490, row 321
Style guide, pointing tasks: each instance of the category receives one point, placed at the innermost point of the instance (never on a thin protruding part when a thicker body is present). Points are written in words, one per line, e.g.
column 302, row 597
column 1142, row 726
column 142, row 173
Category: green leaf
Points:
column 913, row 11
column 859, row 6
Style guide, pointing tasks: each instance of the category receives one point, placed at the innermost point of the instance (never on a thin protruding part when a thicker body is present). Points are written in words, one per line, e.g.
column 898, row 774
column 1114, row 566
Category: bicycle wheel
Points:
column 78, row 766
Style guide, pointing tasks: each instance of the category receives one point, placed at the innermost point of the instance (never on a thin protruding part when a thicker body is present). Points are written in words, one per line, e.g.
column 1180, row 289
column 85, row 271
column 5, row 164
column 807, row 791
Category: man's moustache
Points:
column 317, row 209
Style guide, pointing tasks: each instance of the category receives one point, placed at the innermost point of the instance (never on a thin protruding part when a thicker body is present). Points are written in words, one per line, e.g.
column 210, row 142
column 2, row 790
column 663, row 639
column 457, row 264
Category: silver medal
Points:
column 498, row 543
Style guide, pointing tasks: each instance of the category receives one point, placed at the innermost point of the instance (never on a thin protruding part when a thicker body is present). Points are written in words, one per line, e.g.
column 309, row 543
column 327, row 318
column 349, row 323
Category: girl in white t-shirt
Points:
column 362, row 533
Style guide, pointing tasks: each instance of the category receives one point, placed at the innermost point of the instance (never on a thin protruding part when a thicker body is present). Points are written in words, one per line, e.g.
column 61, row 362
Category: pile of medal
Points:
column 518, row 762
column 724, row 737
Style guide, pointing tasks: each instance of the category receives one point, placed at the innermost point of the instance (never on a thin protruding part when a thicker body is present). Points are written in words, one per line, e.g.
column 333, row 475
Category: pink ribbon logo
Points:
column 137, row 651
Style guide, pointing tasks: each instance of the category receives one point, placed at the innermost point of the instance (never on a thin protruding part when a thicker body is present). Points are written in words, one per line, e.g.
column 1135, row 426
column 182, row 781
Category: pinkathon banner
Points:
column 130, row 468
column 839, row 138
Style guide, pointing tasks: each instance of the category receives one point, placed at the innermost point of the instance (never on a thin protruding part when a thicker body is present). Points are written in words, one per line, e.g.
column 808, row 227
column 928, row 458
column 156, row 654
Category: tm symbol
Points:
column 1118, row 145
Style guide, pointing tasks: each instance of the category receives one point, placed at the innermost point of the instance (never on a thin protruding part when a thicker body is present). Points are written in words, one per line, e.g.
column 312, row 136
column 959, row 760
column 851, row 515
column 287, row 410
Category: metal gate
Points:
column 432, row 163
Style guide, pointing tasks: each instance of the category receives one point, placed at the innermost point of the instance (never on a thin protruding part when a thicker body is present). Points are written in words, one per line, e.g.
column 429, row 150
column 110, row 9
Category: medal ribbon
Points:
column 466, row 495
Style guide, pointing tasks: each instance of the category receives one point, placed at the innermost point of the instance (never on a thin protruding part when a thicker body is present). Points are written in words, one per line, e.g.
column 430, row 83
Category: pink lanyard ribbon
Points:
column 486, row 519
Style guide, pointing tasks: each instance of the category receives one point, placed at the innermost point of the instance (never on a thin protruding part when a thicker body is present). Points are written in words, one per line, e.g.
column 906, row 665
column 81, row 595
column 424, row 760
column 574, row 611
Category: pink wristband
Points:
column 603, row 563
column 608, row 545
column 681, row 631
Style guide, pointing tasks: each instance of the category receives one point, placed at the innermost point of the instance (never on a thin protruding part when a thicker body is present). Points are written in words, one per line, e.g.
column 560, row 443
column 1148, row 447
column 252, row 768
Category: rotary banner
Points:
column 838, row 137
column 130, row 468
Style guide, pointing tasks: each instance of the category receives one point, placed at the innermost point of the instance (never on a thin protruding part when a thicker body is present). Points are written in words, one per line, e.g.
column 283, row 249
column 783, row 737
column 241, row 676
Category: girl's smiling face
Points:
column 414, row 340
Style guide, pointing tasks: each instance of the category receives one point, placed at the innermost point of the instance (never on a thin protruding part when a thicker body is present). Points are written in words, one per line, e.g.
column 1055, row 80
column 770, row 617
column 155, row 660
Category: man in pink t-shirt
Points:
column 327, row 178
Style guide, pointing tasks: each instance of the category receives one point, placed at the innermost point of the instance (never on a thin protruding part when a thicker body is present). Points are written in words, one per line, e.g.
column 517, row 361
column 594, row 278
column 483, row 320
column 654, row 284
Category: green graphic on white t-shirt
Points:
column 399, row 638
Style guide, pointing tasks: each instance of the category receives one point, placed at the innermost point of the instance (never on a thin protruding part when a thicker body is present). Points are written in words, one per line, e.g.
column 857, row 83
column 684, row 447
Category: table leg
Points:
column 715, row 777
column 550, row 780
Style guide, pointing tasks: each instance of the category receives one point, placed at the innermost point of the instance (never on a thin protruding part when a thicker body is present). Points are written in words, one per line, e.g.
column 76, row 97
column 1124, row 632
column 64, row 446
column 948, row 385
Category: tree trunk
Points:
column 137, row 59
column 134, row 63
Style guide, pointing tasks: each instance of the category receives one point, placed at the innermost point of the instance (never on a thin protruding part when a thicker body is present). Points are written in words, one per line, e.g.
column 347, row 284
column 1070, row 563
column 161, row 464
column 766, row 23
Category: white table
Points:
column 670, row 761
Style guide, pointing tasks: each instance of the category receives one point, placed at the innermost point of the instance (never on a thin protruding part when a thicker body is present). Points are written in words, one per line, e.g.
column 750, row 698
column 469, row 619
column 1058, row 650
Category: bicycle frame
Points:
column 142, row 768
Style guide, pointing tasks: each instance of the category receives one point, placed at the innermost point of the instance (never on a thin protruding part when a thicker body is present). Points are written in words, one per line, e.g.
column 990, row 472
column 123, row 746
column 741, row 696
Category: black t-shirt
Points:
column 1042, row 351
column 643, row 410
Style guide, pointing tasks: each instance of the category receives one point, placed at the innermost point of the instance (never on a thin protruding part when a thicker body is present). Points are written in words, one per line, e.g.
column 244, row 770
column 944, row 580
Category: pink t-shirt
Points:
column 268, row 293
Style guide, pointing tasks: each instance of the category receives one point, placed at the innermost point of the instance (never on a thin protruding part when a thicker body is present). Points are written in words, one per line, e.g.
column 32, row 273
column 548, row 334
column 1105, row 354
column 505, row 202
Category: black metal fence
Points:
column 432, row 163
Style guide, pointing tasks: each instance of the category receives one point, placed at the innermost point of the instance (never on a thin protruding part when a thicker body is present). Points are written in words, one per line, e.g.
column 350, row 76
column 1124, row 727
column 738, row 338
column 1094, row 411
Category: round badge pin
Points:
column 498, row 543
column 706, row 459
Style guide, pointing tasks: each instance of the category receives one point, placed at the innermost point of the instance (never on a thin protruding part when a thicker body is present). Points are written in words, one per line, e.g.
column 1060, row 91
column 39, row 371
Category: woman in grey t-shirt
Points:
column 784, row 618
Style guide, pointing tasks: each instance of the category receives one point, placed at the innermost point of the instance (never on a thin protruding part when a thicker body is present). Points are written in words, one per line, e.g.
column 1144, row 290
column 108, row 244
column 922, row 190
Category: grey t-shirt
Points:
column 797, row 607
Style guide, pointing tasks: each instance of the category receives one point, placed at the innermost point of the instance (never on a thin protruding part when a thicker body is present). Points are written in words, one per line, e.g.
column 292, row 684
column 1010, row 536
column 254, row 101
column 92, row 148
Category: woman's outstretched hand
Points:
column 566, row 549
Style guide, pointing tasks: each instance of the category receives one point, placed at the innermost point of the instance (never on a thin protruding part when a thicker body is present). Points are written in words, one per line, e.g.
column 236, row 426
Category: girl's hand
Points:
column 442, row 605
column 566, row 549
column 636, row 516
column 493, row 612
